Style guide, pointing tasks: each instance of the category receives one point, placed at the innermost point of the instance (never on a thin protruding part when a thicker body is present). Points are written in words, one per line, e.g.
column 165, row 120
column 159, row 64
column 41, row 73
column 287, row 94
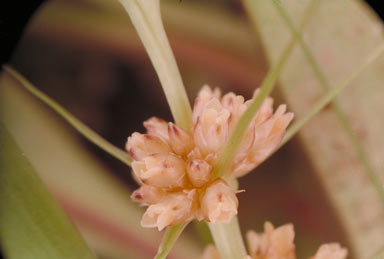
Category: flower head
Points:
column 277, row 243
column 174, row 165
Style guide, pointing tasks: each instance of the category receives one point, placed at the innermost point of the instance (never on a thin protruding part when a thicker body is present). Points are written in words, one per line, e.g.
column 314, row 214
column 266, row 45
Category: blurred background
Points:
column 86, row 56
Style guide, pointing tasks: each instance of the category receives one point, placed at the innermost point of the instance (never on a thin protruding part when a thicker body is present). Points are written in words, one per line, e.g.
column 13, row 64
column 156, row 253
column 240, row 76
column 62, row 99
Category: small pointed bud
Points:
column 219, row 202
column 267, row 136
column 175, row 208
column 205, row 95
column 330, row 251
column 157, row 127
column 211, row 128
column 142, row 145
column 161, row 170
column 273, row 243
column 180, row 141
column 199, row 172
column 236, row 106
column 147, row 194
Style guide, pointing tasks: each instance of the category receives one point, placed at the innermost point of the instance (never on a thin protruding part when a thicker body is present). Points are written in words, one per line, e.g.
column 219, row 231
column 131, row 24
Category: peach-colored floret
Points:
column 278, row 243
column 174, row 163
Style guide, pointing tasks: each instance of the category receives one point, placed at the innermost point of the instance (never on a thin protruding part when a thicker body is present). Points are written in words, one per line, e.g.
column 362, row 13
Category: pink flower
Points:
column 174, row 167
column 277, row 243
column 273, row 243
column 331, row 251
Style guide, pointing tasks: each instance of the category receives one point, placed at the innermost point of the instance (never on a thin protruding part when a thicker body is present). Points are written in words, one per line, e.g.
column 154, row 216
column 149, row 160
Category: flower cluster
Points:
column 278, row 243
column 174, row 166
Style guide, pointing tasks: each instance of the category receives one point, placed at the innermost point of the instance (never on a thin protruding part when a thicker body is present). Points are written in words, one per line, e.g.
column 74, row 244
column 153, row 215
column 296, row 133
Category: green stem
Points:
column 336, row 107
column 169, row 239
column 331, row 94
column 146, row 18
column 74, row 122
column 223, row 166
column 228, row 239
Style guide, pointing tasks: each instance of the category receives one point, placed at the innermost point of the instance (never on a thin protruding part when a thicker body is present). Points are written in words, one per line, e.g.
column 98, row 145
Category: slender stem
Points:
column 146, row 18
column 223, row 166
column 228, row 239
column 74, row 122
column 336, row 107
column 331, row 94
column 169, row 239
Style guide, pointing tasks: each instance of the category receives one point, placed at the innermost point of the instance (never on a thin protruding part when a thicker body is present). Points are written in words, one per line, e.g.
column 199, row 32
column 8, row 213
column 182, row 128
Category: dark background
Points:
column 13, row 20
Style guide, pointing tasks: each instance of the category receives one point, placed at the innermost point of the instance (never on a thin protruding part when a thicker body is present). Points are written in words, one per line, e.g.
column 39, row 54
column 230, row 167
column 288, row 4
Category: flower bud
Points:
column 330, row 251
column 273, row 243
column 142, row 145
column 161, row 170
column 175, row 208
column 236, row 106
column 211, row 128
column 157, row 127
column 219, row 203
column 198, row 172
column 147, row 194
column 266, row 137
column 205, row 95
column 180, row 141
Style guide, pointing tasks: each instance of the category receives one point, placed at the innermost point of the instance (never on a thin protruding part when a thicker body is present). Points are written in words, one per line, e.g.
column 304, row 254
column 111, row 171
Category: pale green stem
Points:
column 223, row 166
column 331, row 94
column 338, row 110
column 170, row 237
column 379, row 255
column 146, row 18
column 228, row 239
column 74, row 122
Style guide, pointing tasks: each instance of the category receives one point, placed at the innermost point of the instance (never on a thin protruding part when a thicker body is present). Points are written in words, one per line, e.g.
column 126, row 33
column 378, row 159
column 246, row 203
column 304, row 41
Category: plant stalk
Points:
column 228, row 239
column 146, row 18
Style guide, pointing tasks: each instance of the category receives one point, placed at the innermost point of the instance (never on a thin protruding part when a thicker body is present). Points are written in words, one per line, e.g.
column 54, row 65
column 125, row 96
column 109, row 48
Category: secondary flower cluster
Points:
column 278, row 243
column 174, row 166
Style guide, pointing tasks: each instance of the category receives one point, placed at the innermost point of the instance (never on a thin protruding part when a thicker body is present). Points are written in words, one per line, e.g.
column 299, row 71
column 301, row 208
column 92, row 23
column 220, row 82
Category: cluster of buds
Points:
column 174, row 166
column 278, row 243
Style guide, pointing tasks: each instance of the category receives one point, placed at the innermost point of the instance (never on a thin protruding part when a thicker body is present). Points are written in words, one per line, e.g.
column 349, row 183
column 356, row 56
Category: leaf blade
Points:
column 32, row 225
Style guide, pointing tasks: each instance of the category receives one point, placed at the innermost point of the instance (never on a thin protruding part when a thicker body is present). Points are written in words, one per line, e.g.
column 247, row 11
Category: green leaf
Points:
column 32, row 225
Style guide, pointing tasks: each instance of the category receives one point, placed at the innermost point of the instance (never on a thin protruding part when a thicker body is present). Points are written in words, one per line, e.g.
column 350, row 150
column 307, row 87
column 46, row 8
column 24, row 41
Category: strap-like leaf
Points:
column 32, row 225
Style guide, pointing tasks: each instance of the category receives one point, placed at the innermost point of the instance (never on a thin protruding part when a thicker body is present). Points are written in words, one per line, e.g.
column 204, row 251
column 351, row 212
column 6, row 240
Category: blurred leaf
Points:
column 339, row 43
column 32, row 225
column 98, row 204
